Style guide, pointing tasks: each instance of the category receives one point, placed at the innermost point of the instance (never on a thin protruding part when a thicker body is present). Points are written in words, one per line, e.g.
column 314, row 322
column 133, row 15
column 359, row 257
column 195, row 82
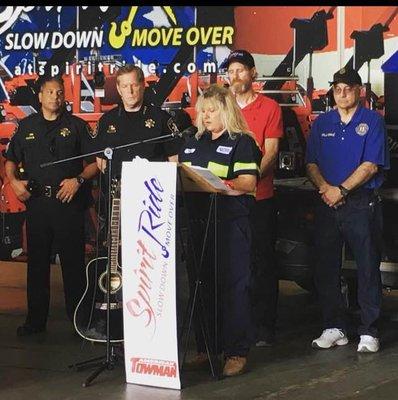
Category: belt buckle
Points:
column 47, row 191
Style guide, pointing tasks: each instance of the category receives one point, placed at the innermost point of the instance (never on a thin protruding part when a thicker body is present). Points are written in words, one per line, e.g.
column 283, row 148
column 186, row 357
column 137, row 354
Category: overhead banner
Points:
column 148, row 202
column 41, row 40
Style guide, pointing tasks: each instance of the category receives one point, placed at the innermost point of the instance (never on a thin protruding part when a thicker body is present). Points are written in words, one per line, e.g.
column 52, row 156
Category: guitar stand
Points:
column 93, row 362
column 87, row 364
column 108, row 364
column 102, row 363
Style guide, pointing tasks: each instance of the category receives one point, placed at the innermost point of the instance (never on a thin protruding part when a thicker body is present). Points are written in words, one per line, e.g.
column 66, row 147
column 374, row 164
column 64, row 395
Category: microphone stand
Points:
column 110, row 357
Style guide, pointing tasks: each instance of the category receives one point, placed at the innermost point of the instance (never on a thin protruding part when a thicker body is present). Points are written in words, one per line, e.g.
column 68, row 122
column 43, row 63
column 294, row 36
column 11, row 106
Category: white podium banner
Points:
column 148, row 202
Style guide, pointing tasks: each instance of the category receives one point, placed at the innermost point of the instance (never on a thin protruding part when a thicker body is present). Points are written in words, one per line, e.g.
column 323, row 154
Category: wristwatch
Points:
column 344, row 191
column 80, row 179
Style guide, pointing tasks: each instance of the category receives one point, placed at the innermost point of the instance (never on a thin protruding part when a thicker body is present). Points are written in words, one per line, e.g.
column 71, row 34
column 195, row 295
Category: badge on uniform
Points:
column 30, row 136
column 149, row 123
column 64, row 132
column 362, row 129
column 111, row 129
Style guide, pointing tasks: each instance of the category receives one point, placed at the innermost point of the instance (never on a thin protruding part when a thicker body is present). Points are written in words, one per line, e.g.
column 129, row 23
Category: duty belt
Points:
column 37, row 190
column 50, row 191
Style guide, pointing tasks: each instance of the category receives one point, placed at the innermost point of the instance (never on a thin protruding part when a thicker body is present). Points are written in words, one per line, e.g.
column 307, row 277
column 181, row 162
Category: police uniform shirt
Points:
column 118, row 127
column 227, row 158
column 338, row 148
column 37, row 141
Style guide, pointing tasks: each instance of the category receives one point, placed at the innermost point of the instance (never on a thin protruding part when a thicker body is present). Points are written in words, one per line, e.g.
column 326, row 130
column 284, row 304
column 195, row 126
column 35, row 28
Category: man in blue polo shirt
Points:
column 346, row 155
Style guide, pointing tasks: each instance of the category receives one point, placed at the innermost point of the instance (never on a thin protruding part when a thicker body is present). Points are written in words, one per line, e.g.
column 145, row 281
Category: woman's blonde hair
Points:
column 223, row 100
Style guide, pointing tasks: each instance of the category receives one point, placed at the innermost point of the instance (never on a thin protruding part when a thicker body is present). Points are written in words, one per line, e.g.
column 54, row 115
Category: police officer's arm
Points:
column 14, row 156
column 18, row 186
column 70, row 186
column 99, row 143
column 101, row 164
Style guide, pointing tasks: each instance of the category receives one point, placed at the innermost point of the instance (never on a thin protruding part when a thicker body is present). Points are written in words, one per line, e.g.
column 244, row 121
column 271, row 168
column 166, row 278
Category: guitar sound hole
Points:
column 116, row 282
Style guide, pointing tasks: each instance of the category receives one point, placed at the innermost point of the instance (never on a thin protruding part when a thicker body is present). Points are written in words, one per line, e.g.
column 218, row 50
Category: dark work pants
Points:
column 48, row 221
column 359, row 224
column 234, row 311
column 265, row 285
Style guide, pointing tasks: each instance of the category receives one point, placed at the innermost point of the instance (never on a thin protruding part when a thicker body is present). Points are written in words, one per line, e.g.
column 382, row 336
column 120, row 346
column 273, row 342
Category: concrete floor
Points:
column 37, row 367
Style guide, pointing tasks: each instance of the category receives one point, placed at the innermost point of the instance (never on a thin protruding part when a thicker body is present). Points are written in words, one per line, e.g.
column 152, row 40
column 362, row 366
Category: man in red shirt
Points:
column 264, row 117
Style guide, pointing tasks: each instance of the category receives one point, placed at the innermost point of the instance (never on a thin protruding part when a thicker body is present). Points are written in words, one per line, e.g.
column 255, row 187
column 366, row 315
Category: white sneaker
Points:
column 368, row 344
column 329, row 338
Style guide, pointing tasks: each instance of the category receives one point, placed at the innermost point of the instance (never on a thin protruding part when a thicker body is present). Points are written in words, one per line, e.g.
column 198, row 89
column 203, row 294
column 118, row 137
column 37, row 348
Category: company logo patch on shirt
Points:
column 64, row 132
column 149, row 123
column 189, row 151
column 224, row 149
column 362, row 129
column 30, row 136
column 328, row 134
column 111, row 129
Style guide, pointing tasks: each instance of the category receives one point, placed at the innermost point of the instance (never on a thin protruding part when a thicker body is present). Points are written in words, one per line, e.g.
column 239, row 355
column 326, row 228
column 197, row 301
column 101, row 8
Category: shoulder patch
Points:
column 92, row 132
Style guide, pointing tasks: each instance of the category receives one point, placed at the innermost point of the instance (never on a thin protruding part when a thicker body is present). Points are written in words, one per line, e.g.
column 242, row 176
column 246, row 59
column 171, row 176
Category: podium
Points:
column 148, row 225
column 202, row 181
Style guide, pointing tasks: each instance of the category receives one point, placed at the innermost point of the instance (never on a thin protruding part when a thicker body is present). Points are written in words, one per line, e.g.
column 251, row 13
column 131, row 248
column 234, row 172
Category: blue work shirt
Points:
column 338, row 148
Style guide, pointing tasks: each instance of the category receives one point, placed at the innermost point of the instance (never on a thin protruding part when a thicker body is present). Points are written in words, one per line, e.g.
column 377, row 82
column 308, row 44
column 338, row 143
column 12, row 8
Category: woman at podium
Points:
column 224, row 145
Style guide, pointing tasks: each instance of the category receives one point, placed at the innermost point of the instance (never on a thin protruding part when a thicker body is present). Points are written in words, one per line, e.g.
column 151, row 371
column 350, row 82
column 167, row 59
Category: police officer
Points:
column 55, row 199
column 223, row 145
column 264, row 117
column 346, row 155
column 133, row 121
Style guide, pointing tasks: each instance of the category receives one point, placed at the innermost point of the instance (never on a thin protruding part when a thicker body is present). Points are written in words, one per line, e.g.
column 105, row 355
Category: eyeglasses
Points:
column 346, row 90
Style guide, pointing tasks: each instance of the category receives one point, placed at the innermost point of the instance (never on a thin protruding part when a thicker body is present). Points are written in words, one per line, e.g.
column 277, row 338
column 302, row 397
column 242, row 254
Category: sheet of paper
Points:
column 214, row 180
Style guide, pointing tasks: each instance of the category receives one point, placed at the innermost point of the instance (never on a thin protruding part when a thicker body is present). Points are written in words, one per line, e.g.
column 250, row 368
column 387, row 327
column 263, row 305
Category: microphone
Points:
column 175, row 131
column 190, row 131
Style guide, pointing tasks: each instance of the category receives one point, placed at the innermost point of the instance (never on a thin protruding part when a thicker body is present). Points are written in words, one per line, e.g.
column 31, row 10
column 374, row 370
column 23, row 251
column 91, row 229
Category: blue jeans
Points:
column 358, row 223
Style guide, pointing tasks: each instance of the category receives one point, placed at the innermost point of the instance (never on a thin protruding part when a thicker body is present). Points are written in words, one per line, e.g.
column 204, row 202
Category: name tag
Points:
column 223, row 149
column 329, row 134
column 189, row 151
